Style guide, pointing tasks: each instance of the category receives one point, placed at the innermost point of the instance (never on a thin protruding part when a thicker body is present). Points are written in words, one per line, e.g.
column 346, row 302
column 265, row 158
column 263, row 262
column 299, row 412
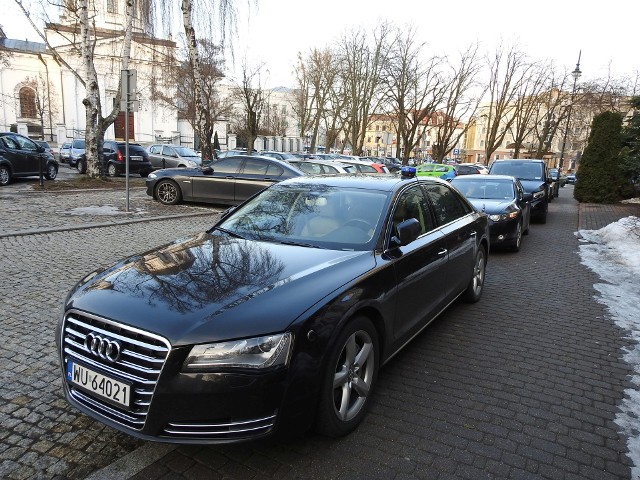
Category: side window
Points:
column 274, row 170
column 413, row 204
column 154, row 149
column 255, row 166
column 447, row 204
column 10, row 142
column 26, row 144
column 367, row 169
column 227, row 166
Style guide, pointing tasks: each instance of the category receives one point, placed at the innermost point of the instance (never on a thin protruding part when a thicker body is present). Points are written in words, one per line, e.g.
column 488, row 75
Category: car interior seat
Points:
column 324, row 219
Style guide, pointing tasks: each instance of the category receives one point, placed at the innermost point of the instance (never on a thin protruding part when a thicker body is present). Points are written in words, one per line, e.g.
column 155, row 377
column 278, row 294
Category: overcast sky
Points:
column 274, row 31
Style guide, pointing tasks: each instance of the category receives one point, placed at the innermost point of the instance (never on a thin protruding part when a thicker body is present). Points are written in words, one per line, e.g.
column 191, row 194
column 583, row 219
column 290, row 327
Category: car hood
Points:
column 490, row 206
column 531, row 186
column 211, row 287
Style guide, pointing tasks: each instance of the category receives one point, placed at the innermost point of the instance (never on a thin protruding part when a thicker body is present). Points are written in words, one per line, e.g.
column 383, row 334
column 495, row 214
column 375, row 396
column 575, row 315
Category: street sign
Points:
column 456, row 151
column 128, row 86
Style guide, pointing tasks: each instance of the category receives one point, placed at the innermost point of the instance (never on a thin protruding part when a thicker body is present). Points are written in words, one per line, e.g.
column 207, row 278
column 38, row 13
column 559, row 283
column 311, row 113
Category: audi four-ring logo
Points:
column 102, row 347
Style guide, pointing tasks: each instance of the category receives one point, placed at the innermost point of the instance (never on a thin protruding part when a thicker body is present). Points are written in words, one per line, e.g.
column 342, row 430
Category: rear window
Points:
column 78, row 144
column 134, row 149
column 521, row 170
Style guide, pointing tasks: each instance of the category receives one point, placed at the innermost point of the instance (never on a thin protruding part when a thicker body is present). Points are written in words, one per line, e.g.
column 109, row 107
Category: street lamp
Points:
column 576, row 75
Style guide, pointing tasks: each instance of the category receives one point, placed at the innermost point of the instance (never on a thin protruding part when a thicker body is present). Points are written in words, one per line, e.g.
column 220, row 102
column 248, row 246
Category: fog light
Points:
column 500, row 237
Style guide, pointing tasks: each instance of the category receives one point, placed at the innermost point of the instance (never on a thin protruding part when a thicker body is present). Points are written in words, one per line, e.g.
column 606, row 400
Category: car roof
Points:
column 477, row 176
column 516, row 160
column 381, row 181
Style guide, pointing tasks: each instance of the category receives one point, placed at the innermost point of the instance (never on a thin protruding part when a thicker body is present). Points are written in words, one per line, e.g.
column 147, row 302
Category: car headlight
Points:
column 192, row 164
column 256, row 353
column 537, row 195
column 152, row 175
column 504, row 216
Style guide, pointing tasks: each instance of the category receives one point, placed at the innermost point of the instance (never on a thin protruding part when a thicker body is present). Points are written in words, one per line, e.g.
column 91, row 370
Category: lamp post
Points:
column 576, row 75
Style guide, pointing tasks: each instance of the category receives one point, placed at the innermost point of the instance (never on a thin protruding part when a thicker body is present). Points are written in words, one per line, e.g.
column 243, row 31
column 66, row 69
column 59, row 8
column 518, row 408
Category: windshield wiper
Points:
column 229, row 232
column 297, row 244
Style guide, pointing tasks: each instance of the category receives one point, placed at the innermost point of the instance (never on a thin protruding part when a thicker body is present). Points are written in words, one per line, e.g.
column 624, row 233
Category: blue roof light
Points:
column 408, row 172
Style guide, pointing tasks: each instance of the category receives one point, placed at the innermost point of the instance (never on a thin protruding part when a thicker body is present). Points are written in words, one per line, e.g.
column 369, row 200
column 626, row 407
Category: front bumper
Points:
column 503, row 232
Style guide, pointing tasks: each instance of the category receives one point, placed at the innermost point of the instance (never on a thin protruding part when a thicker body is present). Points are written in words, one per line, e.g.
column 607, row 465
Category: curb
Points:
column 34, row 231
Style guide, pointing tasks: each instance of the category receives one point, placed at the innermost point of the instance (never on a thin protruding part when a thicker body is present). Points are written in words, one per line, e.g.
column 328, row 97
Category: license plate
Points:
column 135, row 158
column 101, row 385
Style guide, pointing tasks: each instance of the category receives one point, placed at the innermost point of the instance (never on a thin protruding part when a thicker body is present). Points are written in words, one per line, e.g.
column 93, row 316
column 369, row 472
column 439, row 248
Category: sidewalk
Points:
column 594, row 216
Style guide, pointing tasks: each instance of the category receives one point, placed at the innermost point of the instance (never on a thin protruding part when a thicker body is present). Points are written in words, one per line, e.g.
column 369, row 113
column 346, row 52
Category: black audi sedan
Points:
column 504, row 200
column 229, row 181
column 278, row 318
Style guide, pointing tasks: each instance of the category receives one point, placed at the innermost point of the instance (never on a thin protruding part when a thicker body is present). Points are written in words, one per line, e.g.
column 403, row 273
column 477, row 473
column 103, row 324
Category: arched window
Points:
column 28, row 103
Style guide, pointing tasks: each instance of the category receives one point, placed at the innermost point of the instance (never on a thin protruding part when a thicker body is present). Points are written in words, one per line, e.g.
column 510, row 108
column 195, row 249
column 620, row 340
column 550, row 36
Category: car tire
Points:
column 168, row 192
column 349, row 379
column 474, row 289
column 112, row 171
column 5, row 175
column 82, row 165
column 52, row 172
column 515, row 246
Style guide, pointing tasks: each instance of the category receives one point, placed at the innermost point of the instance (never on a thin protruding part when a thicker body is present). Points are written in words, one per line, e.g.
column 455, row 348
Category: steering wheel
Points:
column 359, row 223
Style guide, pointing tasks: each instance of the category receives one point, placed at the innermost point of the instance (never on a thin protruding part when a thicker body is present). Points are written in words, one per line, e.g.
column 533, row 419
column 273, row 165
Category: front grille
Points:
column 229, row 430
column 140, row 363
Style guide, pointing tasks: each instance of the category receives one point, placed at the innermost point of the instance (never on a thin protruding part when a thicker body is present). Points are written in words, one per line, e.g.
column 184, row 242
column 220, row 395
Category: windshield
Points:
column 493, row 190
column 520, row 170
column 311, row 215
column 185, row 152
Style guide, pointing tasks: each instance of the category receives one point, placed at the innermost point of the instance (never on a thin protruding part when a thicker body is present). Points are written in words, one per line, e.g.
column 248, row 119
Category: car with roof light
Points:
column 278, row 318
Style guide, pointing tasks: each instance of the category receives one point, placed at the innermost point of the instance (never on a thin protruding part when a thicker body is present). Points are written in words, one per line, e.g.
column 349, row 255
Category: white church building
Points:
column 42, row 98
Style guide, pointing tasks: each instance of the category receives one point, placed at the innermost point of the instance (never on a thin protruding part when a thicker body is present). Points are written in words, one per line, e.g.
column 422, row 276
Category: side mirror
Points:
column 528, row 197
column 207, row 170
column 407, row 232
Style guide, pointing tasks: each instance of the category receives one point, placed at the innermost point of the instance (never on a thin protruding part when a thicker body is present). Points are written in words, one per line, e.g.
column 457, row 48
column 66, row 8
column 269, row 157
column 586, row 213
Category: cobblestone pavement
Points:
column 523, row 384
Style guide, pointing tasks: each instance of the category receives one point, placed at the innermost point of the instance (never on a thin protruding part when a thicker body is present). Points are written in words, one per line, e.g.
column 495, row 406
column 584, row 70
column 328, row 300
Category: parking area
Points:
column 523, row 384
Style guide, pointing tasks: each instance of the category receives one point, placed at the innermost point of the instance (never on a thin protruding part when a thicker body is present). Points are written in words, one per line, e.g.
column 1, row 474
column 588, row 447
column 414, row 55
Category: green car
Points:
column 446, row 172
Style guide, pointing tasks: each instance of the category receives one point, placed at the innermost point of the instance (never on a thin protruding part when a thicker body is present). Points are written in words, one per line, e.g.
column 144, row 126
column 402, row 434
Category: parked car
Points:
column 233, row 153
column 504, row 200
column 323, row 167
column 47, row 148
column 228, row 181
column 77, row 155
column 276, row 319
column 392, row 164
column 65, row 152
column 472, row 169
column 438, row 170
column 114, row 154
column 571, row 178
column 278, row 155
column 557, row 181
column 535, row 180
column 364, row 166
column 173, row 156
column 22, row 157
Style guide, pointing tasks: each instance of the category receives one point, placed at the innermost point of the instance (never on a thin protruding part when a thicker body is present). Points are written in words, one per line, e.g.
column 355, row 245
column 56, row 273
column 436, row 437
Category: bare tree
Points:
column 181, row 93
column 205, row 19
column 360, row 66
column 5, row 55
column 461, row 100
column 252, row 98
column 507, row 71
column 84, row 37
column 526, row 111
column 413, row 88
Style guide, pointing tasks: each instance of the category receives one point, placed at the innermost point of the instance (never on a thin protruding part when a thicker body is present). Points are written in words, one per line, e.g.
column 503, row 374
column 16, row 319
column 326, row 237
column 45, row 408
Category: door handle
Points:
column 442, row 252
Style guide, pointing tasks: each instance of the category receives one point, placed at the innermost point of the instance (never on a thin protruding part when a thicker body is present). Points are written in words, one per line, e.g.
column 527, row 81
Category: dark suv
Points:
column 535, row 180
column 22, row 157
column 114, row 158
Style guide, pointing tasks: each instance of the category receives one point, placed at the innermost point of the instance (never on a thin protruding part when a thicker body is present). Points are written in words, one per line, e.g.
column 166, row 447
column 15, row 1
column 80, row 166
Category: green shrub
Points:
column 600, row 176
